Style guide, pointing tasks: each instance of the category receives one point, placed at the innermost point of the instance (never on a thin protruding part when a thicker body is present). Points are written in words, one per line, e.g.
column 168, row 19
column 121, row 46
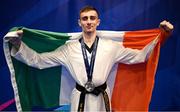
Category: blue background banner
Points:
column 121, row 15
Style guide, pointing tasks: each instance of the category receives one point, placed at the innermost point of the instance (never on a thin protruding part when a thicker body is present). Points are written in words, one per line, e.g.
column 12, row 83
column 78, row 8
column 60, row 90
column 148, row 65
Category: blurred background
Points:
column 121, row 15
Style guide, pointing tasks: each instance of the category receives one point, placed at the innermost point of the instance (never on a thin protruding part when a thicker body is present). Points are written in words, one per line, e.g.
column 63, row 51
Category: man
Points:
column 89, row 60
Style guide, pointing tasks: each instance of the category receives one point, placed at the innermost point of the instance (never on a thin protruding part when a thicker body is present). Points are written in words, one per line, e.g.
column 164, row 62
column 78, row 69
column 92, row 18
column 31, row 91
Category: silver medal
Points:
column 89, row 86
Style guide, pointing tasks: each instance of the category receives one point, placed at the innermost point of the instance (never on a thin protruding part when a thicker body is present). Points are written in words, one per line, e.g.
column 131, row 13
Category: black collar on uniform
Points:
column 88, row 49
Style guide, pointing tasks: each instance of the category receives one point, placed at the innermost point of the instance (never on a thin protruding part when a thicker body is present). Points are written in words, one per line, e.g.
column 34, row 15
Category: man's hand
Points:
column 16, row 41
column 166, row 26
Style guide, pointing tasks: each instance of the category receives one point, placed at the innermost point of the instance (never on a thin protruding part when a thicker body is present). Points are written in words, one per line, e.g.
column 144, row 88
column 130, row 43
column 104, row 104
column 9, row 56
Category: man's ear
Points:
column 79, row 22
column 98, row 22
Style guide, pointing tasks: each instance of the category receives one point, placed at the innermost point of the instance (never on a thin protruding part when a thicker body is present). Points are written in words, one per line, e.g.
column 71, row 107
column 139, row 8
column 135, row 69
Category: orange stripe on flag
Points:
column 134, row 83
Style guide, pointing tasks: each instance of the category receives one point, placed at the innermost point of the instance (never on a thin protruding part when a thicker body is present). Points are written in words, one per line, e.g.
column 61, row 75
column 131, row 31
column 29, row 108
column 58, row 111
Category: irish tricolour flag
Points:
column 35, row 89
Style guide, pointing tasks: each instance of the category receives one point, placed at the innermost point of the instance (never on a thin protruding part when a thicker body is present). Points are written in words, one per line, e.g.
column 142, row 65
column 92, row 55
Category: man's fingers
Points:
column 167, row 26
column 14, row 39
column 170, row 26
column 20, row 32
column 163, row 22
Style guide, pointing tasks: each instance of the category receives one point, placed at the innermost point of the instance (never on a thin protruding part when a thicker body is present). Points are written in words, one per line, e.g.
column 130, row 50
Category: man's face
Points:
column 89, row 21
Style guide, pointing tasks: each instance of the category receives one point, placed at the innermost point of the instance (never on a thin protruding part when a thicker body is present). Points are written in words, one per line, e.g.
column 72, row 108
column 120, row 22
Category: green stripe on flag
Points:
column 39, row 88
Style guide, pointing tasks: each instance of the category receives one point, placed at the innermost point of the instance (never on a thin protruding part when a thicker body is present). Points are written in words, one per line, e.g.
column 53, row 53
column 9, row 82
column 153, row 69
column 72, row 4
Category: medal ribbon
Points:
column 89, row 67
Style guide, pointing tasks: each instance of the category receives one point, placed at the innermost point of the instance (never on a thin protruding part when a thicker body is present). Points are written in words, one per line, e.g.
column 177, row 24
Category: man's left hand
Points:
column 166, row 26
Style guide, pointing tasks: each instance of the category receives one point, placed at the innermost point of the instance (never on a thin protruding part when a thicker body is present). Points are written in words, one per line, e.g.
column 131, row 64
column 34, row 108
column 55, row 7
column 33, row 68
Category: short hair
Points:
column 88, row 8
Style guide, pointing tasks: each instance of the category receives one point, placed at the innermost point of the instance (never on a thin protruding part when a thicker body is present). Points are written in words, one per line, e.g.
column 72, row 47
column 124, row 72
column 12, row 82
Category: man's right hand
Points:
column 16, row 41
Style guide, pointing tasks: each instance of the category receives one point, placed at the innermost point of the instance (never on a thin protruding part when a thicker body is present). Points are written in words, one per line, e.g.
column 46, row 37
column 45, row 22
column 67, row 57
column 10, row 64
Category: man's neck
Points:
column 89, row 38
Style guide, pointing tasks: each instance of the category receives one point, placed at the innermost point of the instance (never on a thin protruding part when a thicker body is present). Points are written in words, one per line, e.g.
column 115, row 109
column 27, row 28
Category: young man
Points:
column 88, row 59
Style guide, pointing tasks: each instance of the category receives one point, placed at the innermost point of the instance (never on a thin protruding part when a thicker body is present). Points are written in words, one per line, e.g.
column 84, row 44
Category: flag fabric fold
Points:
column 34, row 88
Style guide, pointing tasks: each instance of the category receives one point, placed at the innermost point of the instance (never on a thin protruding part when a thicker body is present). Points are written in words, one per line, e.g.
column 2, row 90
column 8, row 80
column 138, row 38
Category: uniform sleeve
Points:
column 134, row 56
column 40, row 60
